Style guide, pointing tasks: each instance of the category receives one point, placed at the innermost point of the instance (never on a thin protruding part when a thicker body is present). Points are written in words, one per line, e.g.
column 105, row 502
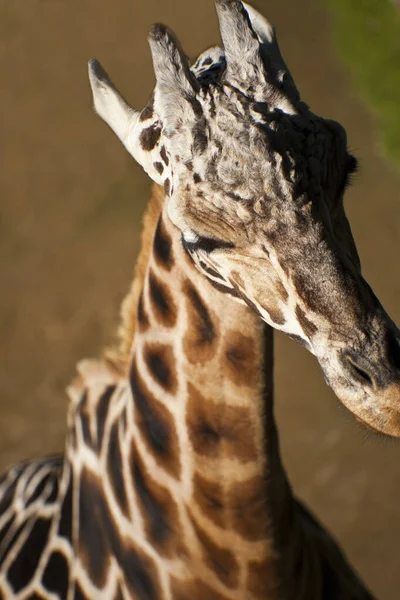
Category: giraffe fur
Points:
column 172, row 485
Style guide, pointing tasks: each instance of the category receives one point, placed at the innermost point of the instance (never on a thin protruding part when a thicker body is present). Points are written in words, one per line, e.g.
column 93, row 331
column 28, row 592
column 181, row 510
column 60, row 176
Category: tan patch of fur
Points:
column 118, row 356
column 92, row 373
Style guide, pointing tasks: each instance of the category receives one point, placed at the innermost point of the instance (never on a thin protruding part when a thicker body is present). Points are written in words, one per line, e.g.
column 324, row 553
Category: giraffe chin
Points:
column 369, row 427
column 384, row 416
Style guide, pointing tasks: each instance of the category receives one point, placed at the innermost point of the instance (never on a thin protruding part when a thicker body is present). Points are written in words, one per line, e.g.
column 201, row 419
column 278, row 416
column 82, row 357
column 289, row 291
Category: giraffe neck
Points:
column 201, row 374
column 188, row 446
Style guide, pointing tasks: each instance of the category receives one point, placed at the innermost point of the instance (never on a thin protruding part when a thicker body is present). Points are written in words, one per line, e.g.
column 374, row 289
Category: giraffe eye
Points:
column 205, row 243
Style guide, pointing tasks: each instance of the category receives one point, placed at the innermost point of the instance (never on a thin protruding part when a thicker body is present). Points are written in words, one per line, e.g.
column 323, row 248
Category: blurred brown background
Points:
column 71, row 202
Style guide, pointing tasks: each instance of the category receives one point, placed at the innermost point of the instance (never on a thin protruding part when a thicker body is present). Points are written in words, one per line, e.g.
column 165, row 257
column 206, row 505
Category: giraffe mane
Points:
column 117, row 356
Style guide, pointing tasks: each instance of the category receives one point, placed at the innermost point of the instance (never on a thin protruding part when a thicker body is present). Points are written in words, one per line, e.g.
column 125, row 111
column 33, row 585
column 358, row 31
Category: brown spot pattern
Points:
column 209, row 497
column 164, row 155
column 142, row 317
column 100, row 539
column 149, row 137
column 159, row 167
column 162, row 246
column 220, row 560
column 148, row 111
column 115, row 469
column 200, row 342
column 159, row 510
column 160, row 361
column 161, row 301
column 94, row 548
column 217, row 430
column 123, row 421
column 242, row 365
column 156, row 425
column 85, row 421
column 102, row 408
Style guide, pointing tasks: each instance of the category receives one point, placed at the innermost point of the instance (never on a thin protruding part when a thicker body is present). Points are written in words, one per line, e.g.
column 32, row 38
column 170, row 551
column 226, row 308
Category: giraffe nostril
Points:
column 357, row 371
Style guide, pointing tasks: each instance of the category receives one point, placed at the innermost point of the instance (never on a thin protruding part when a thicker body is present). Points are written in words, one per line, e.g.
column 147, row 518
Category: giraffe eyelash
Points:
column 206, row 244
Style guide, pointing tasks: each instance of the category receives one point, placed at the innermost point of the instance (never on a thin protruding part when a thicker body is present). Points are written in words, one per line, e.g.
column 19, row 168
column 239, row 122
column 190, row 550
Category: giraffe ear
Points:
column 123, row 120
column 109, row 104
column 175, row 82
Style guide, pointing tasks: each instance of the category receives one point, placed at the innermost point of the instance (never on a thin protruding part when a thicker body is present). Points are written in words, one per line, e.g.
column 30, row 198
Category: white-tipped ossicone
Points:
column 110, row 105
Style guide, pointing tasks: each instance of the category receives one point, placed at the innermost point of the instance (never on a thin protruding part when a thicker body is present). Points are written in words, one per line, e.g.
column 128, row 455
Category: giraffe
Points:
column 172, row 485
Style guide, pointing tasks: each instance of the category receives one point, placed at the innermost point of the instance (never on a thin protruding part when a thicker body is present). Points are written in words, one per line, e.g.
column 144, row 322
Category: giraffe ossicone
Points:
column 255, row 183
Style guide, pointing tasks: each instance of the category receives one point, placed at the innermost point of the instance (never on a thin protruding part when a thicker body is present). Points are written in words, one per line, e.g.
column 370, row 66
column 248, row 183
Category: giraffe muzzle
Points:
column 367, row 382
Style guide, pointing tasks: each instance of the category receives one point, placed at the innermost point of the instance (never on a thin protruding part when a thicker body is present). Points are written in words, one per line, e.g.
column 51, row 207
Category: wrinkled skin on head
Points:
column 255, row 183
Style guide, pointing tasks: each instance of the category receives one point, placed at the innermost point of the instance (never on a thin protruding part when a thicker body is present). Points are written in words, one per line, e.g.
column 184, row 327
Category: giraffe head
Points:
column 255, row 184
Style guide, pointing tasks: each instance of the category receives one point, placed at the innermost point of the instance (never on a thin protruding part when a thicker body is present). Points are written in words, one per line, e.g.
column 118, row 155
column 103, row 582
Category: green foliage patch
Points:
column 367, row 34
